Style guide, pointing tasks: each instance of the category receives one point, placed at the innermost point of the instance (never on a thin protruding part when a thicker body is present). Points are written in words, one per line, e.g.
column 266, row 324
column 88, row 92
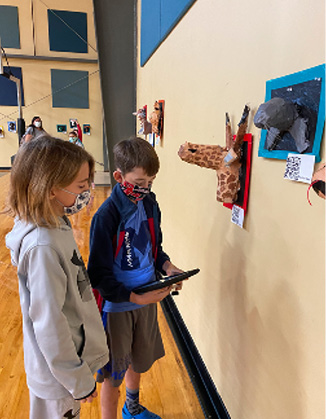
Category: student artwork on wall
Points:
column 156, row 118
column 2, row 132
column 72, row 123
column 86, row 129
column 318, row 182
column 153, row 127
column 62, row 128
column 293, row 115
column 145, row 126
column 12, row 126
column 244, row 174
column 226, row 161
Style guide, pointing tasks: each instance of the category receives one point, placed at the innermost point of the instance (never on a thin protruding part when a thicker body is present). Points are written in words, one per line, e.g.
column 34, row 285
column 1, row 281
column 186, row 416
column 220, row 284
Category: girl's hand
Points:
column 90, row 398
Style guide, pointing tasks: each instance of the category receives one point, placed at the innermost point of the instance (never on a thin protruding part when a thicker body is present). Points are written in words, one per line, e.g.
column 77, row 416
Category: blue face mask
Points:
column 81, row 201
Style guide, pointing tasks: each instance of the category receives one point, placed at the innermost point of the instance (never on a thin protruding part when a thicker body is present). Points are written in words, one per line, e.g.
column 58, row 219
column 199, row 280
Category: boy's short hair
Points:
column 136, row 152
column 40, row 165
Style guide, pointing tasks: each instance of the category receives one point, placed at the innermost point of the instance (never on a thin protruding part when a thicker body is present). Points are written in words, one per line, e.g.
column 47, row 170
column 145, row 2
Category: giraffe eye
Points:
column 192, row 150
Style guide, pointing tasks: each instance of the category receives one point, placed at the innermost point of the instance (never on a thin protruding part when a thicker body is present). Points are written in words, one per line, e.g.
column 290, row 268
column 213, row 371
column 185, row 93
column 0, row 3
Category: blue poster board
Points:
column 306, row 88
column 67, row 31
column 69, row 89
column 158, row 19
column 9, row 27
column 8, row 88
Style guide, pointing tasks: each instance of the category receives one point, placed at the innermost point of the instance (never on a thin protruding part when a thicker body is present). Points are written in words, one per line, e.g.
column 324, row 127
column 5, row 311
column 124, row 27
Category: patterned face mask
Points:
column 134, row 192
column 81, row 201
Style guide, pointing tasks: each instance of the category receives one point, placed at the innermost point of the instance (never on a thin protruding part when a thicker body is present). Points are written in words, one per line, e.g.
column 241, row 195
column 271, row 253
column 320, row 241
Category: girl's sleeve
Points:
column 47, row 282
column 80, row 133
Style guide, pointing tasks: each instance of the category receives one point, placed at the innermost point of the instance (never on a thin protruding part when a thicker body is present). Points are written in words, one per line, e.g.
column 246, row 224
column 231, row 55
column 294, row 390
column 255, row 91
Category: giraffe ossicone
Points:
column 224, row 160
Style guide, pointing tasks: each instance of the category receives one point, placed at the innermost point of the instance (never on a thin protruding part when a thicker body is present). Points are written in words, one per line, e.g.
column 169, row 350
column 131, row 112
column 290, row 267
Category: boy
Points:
column 125, row 252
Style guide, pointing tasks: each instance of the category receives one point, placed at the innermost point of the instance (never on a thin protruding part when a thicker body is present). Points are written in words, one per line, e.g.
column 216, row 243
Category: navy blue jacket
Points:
column 106, row 237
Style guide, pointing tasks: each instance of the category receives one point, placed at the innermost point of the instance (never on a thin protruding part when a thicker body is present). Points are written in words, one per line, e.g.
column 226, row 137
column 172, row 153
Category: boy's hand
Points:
column 90, row 398
column 170, row 270
column 150, row 297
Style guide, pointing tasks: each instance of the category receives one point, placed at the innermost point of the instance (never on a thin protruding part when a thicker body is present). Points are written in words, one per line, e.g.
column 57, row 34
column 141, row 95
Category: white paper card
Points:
column 299, row 167
column 237, row 216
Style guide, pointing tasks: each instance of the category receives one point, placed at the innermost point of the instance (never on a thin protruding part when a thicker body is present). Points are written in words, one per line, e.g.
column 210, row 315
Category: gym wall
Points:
column 256, row 311
column 60, row 71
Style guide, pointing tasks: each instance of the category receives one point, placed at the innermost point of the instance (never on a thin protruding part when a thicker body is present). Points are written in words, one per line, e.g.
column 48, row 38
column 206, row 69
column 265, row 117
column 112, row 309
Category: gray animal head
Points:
column 276, row 113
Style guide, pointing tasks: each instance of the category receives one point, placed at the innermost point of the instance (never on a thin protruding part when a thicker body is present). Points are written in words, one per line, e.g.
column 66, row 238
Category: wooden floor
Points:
column 166, row 389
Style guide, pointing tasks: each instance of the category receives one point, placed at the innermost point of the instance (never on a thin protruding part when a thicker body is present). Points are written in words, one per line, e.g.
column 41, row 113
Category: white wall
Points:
column 257, row 309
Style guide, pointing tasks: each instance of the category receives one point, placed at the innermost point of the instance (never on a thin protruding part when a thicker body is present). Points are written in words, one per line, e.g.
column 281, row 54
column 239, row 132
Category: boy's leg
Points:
column 132, row 380
column 109, row 400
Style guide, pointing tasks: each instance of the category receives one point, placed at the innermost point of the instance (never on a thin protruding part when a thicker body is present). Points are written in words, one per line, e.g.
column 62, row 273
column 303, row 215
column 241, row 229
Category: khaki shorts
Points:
column 134, row 339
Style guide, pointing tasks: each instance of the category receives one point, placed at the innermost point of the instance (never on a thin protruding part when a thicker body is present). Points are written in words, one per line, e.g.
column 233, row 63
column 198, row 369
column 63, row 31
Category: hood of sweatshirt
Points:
column 22, row 229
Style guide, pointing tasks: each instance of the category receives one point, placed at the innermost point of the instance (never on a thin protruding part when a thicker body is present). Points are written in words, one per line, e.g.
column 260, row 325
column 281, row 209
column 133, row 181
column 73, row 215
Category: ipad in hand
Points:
column 165, row 281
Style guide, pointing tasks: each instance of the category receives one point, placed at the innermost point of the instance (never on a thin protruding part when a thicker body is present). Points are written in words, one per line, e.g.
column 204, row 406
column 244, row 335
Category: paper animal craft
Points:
column 318, row 182
column 278, row 116
column 145, row 126
column 225, row 160
column 155, row 123
column 156, row 118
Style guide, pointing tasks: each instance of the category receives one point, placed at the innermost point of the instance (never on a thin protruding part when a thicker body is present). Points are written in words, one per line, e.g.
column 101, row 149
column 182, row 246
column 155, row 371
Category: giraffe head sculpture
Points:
column 225, row 160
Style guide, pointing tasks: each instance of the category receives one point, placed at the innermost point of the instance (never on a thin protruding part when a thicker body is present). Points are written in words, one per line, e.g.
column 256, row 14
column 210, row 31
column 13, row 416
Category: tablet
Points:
column 165, row 282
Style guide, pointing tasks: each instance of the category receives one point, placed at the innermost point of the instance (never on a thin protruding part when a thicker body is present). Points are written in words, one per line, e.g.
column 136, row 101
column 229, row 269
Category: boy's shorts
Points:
column 134, row 339
column 54, row 409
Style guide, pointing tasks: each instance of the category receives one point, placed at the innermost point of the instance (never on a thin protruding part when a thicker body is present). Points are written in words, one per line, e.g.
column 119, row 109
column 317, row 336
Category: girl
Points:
column 64, row 340
column 34, row 130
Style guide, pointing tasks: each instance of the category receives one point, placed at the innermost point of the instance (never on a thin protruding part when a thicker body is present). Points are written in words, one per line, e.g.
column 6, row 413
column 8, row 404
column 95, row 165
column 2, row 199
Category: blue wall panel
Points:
column 9, row 27
column 150, row 28
column 61, row 37
column 171, row 12
column 8, row 88
column 69, row 89
column 158, row 18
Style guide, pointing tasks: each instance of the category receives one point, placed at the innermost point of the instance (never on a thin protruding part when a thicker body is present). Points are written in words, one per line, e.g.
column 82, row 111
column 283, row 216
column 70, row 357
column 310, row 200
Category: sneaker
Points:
column 145, row 414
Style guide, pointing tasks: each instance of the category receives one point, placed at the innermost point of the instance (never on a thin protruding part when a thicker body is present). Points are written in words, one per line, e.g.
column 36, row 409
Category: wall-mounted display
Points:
column 62, row 128
column 318, row 182
column 293, row 115
column 12, row 126
column 87, row 129
column 145, row 126
column 156, row 118
column 73, row 123
column 244, row 175
column 225, row 160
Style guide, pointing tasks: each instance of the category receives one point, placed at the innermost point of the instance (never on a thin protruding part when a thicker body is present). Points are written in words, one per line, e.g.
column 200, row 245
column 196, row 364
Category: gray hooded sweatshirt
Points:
column 64, row 339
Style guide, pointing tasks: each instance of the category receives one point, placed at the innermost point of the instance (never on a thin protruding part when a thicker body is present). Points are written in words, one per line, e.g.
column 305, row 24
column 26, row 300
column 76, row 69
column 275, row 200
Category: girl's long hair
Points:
column 39, row 166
